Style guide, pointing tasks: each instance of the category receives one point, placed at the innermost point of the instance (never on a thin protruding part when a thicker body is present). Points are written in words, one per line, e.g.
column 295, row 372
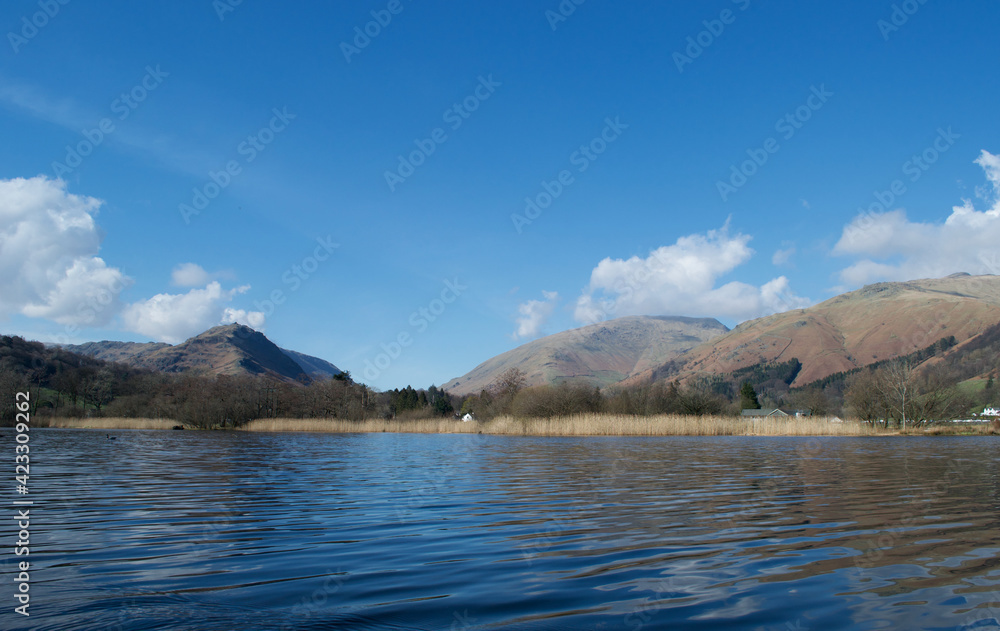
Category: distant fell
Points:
column 877, row 322
column 313, row 366
column 599, row 354
column 232, row 349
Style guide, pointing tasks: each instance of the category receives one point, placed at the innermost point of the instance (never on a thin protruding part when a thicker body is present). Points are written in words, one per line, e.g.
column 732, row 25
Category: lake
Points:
column 215, row 530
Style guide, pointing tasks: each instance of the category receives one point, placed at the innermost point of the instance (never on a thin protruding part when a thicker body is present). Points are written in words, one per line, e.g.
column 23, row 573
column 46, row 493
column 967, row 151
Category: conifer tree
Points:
column 748, row 397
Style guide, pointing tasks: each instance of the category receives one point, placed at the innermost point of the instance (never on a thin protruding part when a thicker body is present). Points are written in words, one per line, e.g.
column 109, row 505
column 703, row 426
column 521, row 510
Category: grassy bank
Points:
column 108, row 423
column 583, row 425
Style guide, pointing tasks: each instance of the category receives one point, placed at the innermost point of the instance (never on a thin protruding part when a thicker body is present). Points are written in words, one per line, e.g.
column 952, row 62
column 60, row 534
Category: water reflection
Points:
column 200, row 530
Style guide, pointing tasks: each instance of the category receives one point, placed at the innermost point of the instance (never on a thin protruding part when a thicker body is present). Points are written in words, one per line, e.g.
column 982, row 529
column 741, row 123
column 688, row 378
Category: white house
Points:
column 991, row 412
column 467, row 418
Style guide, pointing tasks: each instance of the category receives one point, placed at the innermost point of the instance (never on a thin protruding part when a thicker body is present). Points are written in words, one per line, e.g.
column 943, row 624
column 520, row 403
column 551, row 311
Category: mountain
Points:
column 121, row 352
column 600, row 354
column 232, row 349
column 876, row 322
column 313, row 366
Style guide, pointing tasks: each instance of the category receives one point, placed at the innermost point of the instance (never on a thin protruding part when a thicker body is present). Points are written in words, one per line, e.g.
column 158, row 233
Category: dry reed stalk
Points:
column 110, row 423
column 582, row 425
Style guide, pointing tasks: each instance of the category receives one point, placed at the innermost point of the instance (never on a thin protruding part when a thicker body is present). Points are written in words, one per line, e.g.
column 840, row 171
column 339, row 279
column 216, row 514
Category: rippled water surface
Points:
column 212, row 530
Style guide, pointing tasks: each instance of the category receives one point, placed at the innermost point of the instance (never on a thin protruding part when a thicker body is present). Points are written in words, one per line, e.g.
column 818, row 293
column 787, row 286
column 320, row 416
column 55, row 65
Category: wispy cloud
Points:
column 783, row 256
column 159, row 147
column 31, row 101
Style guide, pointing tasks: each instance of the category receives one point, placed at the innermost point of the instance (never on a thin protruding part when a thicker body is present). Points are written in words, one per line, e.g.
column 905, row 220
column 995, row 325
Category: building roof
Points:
column 764, row 412
column 776, row 412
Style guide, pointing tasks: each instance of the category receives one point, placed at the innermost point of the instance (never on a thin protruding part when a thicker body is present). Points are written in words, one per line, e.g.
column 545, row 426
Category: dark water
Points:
column 199, row 530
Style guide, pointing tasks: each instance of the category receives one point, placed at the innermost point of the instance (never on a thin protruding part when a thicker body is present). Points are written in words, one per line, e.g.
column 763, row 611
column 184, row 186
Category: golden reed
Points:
column 109, row 423
column 582, row 425
column 578, row 425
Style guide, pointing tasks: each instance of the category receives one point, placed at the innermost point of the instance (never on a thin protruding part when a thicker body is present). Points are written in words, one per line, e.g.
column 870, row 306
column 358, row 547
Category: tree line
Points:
column 66, row 384
column 929, row 384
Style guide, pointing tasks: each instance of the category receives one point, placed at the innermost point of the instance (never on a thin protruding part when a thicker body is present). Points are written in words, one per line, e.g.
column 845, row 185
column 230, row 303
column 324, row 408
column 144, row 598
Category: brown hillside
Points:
column 876, row 322
column 600, row 354
column 232, row 349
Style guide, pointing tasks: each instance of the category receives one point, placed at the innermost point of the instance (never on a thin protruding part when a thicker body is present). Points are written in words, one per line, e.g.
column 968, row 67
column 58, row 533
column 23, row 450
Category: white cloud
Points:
column 534, row 315
column 49, row 269
column 253, row 319
column 189, row 275
column 49, row 266
column 680, row 279
column 891, row 247
column 173, row 318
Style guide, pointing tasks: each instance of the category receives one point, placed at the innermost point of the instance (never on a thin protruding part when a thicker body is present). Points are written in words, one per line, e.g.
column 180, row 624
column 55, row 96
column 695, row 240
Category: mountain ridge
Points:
column 854, row 329
column 232, row 349
column 598, row 354
column 876, row 322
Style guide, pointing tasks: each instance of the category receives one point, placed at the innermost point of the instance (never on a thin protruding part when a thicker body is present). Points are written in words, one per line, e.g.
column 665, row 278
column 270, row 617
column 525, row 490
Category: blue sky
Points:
column 726, row 159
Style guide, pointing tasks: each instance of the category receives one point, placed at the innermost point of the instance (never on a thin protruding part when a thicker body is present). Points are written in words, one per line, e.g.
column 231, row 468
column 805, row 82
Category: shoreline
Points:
column 579, row 425
column 108, row 423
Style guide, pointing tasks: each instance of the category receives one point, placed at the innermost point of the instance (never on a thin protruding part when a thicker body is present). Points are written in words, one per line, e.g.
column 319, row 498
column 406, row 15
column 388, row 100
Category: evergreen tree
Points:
column 442, row 405
column 748, row 397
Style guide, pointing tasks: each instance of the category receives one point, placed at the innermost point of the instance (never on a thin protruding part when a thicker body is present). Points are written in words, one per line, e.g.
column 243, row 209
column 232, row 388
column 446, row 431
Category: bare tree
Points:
column 510, row 382
column 896, row 385
column 697, row 399
column 10, row 383
column 505, row 387
column 864, row 397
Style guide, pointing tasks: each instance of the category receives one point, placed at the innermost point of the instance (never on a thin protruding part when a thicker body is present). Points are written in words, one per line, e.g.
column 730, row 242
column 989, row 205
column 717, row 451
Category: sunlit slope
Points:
column 879, row 321
column 232, row 349
column 599, row 354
